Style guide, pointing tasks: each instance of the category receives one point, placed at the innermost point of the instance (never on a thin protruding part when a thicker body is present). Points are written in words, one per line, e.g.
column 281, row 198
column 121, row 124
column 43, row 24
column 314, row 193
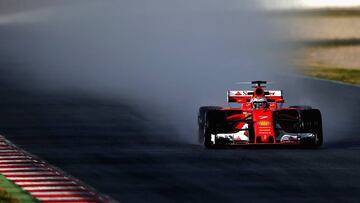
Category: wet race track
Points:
column 114, row 149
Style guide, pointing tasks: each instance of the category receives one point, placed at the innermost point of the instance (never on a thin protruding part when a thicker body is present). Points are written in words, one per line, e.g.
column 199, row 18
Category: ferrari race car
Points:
column 260, row 120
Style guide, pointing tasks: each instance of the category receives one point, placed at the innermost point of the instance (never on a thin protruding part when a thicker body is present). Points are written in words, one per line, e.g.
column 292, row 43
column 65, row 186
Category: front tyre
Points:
column 310, row 121
column 215, row 122
column 202, row 120
column 300, row 121
column 207, row 141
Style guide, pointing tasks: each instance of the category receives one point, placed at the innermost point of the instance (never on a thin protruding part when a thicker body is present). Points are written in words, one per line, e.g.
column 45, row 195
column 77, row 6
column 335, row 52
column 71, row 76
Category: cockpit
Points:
column 260, row 105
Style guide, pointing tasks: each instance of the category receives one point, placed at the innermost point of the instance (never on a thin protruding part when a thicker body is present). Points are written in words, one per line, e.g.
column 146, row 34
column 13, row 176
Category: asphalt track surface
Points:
column 113, row 148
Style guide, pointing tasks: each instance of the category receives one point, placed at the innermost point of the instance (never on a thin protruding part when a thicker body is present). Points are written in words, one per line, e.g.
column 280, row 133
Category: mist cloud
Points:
column 170, row 55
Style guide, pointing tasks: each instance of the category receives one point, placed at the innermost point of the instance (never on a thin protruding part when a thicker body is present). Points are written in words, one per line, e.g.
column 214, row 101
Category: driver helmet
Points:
column 259, row 103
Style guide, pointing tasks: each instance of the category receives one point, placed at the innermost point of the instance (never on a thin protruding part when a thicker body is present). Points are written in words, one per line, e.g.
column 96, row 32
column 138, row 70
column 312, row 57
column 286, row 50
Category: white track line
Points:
column 30, row 188
column 23, row 169
column 20, row 165
column 38, row 178
column 68, row 182
column 64, row 198
column 13, row 150
column 63, row 193
column 19, row 161
column 14, row 157
column 30, row 173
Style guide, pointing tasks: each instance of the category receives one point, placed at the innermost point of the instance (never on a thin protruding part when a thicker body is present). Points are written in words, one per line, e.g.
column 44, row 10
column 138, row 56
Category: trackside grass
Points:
column 11, row 193
column 351, row 76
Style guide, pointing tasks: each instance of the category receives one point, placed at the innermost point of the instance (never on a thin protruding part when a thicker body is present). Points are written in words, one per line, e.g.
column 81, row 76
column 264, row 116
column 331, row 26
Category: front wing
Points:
column 240, row 138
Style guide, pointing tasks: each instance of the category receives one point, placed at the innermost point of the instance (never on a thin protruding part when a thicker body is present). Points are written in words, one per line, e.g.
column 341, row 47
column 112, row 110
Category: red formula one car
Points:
column 260, row 119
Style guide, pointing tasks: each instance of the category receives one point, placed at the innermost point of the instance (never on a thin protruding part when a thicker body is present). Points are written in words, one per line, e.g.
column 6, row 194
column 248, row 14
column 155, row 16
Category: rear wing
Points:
column 243, row 96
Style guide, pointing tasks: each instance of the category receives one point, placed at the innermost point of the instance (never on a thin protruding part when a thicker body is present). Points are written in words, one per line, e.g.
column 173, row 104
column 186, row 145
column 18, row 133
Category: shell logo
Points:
column 264, row 123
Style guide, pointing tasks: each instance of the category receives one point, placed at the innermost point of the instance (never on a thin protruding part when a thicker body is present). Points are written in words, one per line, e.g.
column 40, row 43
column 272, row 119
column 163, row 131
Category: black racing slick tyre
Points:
column 207, row 141
column 215, row 121
column 201, row 120
column 311, row 122
column 300, row 120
